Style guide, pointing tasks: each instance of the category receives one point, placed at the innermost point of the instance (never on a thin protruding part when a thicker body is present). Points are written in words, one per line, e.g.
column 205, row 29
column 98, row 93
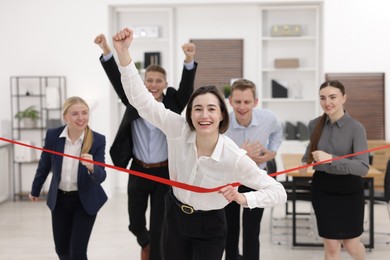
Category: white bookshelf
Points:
column 302, row 82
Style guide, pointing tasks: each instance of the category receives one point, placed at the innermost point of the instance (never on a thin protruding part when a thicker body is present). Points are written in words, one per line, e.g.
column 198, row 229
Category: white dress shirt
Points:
column 227, row 164
column 70, row 166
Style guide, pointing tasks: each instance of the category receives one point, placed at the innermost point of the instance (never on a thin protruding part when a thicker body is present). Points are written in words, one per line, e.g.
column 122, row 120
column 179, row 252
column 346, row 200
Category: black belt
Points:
column 187, row 209
column 151, row 165
column 68, row 192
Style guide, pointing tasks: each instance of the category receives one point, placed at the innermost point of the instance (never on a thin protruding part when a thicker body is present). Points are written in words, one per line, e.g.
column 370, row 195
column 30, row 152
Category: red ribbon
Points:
column 175, row 183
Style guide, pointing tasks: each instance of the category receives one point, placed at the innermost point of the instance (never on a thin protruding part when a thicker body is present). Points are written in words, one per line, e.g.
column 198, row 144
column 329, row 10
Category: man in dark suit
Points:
column 146, row 145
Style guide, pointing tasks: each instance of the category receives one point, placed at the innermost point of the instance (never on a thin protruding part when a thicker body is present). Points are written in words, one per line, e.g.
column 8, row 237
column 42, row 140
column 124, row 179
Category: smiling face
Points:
column 76, row 117
column 332, row 101
column 243, row 102
column 155, row 82
column 206, row 114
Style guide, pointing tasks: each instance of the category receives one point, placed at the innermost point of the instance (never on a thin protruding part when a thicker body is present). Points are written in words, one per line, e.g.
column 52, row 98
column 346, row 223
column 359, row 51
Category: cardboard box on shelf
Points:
column 286, row 63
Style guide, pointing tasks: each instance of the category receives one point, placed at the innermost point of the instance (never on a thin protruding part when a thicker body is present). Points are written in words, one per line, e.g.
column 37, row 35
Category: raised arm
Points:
column 182, row 95
column 138, row 95
column 111, row 68
column 122, row 41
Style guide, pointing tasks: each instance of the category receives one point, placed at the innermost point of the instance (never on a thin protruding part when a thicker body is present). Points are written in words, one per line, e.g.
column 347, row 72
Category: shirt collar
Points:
column 217, row 153
column 342, row 121
column 64, row 134
column 236, row 125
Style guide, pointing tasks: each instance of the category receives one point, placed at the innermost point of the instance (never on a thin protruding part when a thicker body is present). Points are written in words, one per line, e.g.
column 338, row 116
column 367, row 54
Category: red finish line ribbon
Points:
column 139, row 174
column 175, row 183
column 330, row 160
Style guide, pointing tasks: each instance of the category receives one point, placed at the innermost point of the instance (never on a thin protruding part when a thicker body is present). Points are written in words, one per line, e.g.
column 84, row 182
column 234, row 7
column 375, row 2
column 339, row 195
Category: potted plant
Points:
column 28, row 116
column 226, row 90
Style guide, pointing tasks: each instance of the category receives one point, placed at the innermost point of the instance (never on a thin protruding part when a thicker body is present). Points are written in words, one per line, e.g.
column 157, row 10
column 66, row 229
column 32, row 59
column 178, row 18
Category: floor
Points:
column 25, row 234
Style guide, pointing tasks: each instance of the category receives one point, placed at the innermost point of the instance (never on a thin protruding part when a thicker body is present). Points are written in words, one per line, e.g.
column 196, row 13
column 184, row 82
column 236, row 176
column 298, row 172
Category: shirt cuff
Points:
column 250, row 200
column 190, row 65
column 106, row 57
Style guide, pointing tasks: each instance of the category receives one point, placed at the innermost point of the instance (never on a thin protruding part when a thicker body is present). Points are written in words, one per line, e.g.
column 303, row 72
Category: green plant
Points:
column 138, row 65
column 29, row 112
column 226, row 90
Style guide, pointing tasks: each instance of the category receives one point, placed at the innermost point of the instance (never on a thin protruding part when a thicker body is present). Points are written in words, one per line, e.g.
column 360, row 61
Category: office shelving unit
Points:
column 46, row 94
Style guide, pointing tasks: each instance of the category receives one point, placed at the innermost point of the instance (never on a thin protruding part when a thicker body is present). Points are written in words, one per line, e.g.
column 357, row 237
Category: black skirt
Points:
column 338, row 202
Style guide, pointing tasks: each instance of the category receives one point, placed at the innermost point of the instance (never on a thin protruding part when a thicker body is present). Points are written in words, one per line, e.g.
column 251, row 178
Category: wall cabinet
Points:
column 290, row 32
column 46, row 95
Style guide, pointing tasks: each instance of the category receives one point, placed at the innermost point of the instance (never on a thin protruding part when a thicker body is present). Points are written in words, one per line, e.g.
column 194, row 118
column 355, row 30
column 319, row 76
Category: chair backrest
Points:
column 271, row 166
column 387, row 182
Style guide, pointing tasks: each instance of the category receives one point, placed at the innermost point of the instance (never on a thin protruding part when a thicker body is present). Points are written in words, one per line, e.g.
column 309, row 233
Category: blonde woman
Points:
column 75, row 194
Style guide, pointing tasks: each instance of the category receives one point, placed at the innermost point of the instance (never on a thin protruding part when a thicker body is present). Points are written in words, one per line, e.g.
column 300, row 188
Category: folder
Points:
column 290, row 131
column 278, row 91
column 152, row 58
column 302, row 131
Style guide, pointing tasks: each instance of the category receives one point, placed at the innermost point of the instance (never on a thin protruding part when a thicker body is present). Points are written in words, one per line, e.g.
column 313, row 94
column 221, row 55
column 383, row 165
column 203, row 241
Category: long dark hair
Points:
column 224, row 124
column 315, row 137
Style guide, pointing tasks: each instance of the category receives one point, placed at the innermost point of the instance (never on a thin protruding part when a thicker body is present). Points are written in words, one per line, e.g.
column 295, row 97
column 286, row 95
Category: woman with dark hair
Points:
column 75, row 194
column 200, row 155
column 337, row 187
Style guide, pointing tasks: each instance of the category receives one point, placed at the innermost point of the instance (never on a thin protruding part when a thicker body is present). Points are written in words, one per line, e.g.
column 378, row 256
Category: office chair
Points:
column 296, row 191
column 383, row 197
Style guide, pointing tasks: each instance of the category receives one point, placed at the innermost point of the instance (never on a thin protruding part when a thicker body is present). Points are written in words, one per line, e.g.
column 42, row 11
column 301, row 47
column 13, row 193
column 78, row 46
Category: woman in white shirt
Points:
column 200, row 155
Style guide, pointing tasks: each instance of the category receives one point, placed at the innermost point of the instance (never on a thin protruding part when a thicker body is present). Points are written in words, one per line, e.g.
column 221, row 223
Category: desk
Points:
column 294, row 160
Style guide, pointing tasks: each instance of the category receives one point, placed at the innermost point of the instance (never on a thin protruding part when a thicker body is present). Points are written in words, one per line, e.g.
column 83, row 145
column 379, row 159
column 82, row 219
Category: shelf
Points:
column 289, row 38
column 153, row 40
column 288, row 100
column 301, row 83
column 28, row 96
column 288, row 69
column 28, row 128
column 47, row 94
column 29, row 162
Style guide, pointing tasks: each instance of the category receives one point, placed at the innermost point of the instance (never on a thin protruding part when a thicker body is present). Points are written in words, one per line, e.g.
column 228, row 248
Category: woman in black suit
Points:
column 75, row 194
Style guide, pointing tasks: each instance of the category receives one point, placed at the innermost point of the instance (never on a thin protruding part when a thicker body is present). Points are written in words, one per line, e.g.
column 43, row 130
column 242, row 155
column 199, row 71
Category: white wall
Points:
column 355, row 41
column 53, row 37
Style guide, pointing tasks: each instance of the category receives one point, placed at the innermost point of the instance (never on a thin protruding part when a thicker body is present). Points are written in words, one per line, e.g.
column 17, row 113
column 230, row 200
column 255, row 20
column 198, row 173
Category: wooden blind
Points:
column 218, row 61
column 365, row 100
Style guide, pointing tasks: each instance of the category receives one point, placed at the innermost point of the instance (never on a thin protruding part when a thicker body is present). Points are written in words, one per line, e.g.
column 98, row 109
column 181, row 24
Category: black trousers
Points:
column 197, row 236
column 251, row 222
column 139, row 191
column 72, row 227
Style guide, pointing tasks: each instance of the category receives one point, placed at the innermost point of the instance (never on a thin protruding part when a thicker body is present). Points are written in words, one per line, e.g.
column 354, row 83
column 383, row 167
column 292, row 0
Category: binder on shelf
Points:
column 278, row 90
column 302, row 131
column 152, row 58
column 290, row 131
column 52, row 123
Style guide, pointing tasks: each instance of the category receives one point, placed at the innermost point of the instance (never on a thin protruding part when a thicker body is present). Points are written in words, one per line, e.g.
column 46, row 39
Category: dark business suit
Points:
column 121, row 152
column 73, row 213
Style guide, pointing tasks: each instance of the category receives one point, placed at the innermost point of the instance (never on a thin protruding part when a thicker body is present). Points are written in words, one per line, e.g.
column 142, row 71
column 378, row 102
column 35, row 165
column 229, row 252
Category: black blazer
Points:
column 121, row 150
column 92, row 195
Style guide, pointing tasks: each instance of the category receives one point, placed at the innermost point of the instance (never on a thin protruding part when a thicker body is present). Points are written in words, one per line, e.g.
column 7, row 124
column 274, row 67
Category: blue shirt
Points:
column 150, row 143
column 264, row 127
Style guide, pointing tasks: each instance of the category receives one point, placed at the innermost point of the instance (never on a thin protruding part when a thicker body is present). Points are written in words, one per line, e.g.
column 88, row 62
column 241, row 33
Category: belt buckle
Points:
column 187, row 209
